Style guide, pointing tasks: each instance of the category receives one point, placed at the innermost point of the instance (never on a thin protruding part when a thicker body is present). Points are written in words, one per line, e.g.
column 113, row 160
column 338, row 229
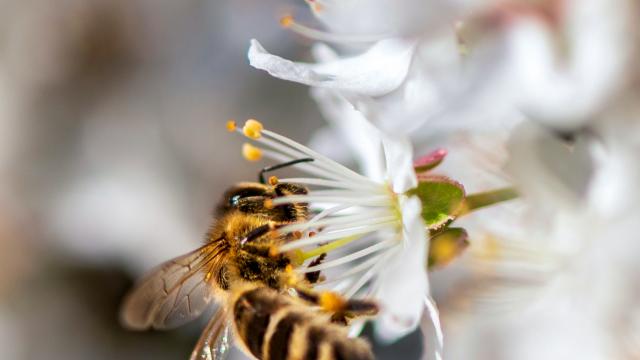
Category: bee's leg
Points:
column 361, row 307
column 340, row 319
column 313, row 277
column 280, row 166
column 284, row 189
column 257, row 232
column 354, row 308
column 342, row 309
column 260, row 231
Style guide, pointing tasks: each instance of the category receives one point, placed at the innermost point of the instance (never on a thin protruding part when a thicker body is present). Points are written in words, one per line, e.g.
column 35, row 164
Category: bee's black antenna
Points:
column 280, row 166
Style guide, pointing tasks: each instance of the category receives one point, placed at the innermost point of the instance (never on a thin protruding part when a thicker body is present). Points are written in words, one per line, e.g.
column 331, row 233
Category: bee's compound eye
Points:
column 233, row 201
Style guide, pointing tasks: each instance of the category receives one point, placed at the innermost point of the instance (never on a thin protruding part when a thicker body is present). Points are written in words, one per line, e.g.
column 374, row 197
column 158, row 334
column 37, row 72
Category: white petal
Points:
column 378, row 71
column 361, row 137
column 403, row 283
column 432, row 331
column 546, row 170
column 399, row 157
column 323, row 53
column 588, row 79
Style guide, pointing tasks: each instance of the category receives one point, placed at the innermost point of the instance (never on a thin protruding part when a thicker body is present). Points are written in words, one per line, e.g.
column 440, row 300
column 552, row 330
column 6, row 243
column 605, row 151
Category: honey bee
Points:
column 272, row 313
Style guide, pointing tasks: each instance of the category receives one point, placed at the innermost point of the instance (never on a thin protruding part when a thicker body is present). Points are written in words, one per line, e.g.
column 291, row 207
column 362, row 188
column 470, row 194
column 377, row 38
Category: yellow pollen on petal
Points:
column 251, row 152
column 273, row 180
column 252, row 129
column 331, row 302
column 288, row 269
column 231, row 126
column 286, row 21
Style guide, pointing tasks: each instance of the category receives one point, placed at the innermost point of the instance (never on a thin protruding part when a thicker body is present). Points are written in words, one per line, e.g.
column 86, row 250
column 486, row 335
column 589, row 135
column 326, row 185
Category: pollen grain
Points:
column 286, row 21
column 252, row 129
column 251, row 152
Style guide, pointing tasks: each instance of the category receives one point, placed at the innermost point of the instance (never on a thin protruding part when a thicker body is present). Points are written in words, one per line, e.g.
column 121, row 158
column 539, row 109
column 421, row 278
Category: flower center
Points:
column 355, row 221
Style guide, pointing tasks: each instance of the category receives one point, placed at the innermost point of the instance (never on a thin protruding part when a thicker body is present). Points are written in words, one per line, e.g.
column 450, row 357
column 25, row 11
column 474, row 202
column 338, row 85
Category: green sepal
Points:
column 442, row 199
column 445, row 246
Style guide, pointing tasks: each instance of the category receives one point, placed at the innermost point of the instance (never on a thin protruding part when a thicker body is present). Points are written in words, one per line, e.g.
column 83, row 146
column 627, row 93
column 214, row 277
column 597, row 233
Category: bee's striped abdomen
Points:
column 273, row 327
column 281, row 336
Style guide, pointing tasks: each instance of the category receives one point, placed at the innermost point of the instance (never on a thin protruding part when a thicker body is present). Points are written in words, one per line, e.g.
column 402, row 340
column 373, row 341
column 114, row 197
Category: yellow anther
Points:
column 251, row 152
column 288, row 269
column 231, row 126
column 286, row 21
column 252, row 129
column 268, row 204
column 331, row 302
column 273, row 180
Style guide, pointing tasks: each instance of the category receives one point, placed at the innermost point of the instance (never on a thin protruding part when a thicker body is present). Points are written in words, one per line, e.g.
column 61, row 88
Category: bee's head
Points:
column 251, row 198
column 246, row 197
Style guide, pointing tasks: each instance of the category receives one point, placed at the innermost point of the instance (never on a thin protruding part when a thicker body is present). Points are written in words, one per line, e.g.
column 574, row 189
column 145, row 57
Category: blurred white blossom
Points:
column 547, row 89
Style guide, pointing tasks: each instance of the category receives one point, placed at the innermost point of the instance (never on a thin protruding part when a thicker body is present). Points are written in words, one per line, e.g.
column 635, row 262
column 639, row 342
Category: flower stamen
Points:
column 333, row 235
column 251, row 153
column 252, row 129
column 288, row 22
column 231, row 126
column 351, row 257
column 327, row 247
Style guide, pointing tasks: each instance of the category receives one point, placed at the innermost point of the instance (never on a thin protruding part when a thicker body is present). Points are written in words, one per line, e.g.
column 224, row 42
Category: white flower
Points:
column 376, row 72
column 567, row 262
column 370, row 227
column 404, row 83
column 350, row 127
column 500, row 66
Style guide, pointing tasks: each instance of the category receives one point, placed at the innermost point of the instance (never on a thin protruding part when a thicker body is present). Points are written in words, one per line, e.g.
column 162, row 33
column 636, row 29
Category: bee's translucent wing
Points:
column 215, row 341
column 174, row 293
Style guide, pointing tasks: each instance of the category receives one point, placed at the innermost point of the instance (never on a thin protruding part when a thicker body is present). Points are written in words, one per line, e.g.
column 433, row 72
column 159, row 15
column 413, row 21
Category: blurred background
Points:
column 113, row 153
